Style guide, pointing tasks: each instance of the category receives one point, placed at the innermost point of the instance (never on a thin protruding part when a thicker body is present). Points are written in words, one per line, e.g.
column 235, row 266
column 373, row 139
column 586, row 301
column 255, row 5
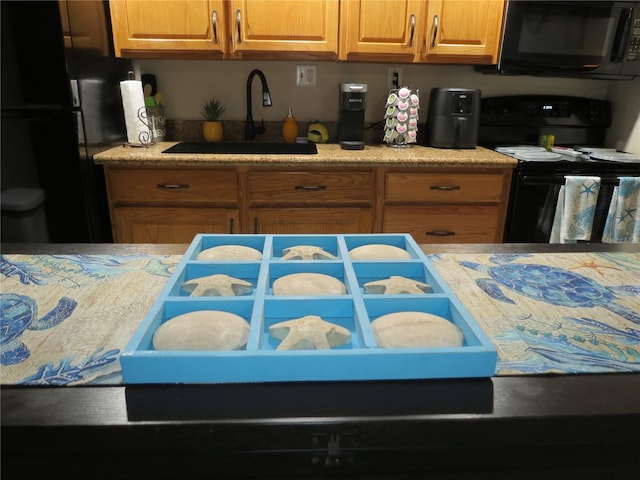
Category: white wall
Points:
column 187, row 83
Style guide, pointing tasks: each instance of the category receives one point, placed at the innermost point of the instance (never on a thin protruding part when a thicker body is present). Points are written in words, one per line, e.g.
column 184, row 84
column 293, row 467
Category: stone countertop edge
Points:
column 328, row 154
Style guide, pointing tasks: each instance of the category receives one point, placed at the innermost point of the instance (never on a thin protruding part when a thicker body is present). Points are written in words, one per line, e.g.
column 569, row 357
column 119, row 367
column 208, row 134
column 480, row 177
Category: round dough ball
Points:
column 308, row 284
column 376, row 251
column 202, row 330
column 230, row 252
column 415, row 330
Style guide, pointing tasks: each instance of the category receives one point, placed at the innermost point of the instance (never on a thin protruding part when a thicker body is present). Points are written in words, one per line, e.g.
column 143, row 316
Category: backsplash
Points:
column 191, row 130
column 187, row 83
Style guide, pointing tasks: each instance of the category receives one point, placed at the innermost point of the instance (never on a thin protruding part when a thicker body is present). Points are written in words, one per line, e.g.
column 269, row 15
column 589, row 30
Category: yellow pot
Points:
column 212, row 131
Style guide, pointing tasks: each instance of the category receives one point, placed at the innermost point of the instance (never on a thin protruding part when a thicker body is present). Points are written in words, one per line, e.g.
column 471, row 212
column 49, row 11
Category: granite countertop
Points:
column 329, row 154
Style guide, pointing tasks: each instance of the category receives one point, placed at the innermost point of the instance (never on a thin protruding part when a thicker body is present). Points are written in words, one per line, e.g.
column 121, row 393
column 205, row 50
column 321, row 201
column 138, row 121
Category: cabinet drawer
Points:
column 269, row 188
column 445, row 187
column 172, row 185
column 445, row 224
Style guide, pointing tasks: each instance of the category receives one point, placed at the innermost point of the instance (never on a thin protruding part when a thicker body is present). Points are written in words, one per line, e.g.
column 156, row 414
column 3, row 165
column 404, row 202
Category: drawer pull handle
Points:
column 239, row 25
column 231, row 225
column 445, row 188
column 413, row 29
column 311, row 187
column 440, row 233
column 172, row 186
column 435, row 31
column 214, row 25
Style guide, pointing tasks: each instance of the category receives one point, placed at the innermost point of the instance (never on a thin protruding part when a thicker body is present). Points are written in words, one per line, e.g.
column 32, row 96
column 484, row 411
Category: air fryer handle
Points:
column 622, row 33
column 457, row 131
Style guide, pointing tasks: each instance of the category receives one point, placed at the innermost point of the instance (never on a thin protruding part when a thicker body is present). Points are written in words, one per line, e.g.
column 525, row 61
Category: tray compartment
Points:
column 248, row 272
column 203, row 242
column 171, row 308
column 404, row 242
column 325, row 242
column 326, row 267
column 338, row 310
column 440, row 305
column 366, row 272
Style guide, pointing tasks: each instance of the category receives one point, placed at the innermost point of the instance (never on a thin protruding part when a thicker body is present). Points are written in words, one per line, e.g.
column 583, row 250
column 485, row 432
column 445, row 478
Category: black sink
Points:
column 244, row 148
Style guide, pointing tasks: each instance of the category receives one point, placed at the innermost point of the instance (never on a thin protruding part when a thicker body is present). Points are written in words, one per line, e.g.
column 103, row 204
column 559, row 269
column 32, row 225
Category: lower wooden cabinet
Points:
column 311, row 220
column 447, row 205
column 434, row 205
column 435, row 224
column 169, row 224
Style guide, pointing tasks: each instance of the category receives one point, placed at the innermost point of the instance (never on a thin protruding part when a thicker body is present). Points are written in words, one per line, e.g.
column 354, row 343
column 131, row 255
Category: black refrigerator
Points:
column 61, row 104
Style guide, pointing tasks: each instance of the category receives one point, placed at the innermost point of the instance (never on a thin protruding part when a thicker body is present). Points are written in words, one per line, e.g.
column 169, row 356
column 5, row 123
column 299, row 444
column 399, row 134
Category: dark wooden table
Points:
column 578, row 426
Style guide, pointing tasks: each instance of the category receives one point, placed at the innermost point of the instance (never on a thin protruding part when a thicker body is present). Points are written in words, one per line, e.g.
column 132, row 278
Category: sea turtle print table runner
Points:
column 65, row 319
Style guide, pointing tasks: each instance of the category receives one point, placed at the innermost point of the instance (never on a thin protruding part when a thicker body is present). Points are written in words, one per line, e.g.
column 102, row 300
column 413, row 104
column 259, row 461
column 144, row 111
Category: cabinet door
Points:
column 291, row 26
column 160, row 28
column 440, row 224
column 459, row 31
column 380, row 29
column 170, row 225
column 311, row 220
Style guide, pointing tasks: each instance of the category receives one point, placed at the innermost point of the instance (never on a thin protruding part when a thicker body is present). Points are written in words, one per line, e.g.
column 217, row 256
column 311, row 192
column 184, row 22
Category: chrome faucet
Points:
column 250, row 129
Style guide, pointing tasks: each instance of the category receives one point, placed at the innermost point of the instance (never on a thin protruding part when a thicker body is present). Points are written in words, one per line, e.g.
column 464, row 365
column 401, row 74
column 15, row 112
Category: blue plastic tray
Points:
column 259, row 361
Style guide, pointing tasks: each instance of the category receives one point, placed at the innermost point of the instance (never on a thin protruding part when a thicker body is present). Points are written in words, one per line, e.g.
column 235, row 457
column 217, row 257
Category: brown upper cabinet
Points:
column 462, row 31
column 381, row 30
column 405, row 31
column 293, row 27
column 413, row 31
column 170, row 28
column 220, row 29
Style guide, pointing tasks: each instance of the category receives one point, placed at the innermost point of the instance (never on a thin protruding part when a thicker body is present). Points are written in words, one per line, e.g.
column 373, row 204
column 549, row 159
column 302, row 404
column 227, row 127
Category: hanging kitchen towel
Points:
column 623, row 219
column 575, row 209
column 135, row 112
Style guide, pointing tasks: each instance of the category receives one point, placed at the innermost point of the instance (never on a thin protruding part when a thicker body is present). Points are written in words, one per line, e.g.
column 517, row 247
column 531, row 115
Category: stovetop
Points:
column 532, row 153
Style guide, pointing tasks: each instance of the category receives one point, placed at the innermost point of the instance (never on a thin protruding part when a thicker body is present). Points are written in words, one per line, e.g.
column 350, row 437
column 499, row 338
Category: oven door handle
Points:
column 545, row 180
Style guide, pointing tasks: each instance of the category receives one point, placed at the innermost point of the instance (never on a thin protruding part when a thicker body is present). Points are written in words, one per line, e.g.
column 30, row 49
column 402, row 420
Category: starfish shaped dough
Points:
column 218, row 285
column 396, row 284
column 309, row 333
column 306, row 252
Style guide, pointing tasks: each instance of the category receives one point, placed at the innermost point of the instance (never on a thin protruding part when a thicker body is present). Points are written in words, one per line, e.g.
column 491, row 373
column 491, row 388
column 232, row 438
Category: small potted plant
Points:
column 212, row 128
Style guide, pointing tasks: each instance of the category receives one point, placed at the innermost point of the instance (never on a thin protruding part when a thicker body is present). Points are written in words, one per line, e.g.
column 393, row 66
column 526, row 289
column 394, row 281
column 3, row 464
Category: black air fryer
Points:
column 452, row 119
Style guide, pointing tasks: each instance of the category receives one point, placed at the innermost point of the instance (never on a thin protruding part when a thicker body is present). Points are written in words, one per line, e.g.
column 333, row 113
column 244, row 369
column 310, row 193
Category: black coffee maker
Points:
column 353, row 102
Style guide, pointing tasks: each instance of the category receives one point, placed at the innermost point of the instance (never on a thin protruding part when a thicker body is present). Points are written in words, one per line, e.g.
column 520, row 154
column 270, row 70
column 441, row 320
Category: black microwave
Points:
column 596, row 39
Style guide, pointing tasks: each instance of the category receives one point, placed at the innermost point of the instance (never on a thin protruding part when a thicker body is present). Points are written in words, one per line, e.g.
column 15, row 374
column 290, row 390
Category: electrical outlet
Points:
column 394, row 77
column 306, row 75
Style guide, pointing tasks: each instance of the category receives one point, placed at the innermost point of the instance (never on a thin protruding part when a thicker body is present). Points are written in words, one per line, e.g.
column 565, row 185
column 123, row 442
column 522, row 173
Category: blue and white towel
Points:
column 623, row 219
column 575, row 209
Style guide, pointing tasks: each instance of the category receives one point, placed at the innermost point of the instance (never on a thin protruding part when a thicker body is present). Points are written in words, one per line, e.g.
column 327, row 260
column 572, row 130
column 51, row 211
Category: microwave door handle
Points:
column 622, row 33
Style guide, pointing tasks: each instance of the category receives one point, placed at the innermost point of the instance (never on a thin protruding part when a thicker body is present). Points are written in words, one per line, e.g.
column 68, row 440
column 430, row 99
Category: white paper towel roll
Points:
column 134, row 112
